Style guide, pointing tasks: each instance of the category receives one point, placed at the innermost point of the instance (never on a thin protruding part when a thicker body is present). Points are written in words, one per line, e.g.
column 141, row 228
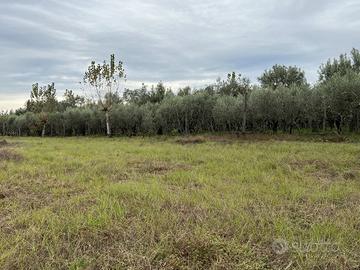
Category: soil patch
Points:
column 191, row 140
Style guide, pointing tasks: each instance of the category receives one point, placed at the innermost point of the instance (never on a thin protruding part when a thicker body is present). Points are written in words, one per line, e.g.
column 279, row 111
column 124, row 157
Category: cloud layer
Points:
column 178, row 42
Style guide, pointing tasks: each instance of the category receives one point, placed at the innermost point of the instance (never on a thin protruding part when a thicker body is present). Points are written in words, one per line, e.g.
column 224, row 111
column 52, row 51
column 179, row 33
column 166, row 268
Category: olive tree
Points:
column 281, row 75
column 237, row 85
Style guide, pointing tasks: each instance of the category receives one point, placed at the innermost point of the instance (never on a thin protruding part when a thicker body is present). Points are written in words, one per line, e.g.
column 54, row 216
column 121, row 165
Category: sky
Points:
column 178, row 42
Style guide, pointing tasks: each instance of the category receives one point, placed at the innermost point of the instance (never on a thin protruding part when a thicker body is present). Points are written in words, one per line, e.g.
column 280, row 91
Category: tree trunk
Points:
column 338, row 123
column 244, row 115
column 108, row 129
column 43, row 131
column 275, row 126
column 324, row 117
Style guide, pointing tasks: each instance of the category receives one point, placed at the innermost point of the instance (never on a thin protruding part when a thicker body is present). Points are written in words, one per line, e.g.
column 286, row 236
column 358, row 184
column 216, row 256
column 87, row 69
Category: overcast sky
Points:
column 181, row 42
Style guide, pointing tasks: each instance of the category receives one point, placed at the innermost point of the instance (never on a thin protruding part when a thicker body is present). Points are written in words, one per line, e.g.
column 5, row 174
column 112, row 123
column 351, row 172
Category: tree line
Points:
column 282, row 101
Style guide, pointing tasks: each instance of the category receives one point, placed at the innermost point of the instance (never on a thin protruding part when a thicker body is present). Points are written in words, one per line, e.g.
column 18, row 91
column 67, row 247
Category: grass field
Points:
column 170, row 203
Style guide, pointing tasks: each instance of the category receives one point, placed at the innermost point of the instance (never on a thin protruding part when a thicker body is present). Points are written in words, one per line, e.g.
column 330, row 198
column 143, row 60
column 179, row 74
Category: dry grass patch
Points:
column 319, row 169
column 186, row 213
column 155, row 167
column 8, row 155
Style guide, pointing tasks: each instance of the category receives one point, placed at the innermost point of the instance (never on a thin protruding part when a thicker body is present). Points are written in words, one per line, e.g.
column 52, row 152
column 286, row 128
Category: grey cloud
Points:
column 174, row 41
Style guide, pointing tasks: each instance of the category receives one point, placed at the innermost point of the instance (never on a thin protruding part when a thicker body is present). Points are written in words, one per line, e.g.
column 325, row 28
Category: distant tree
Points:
column 280, row 75
column 266, row 109
column 42, row 101
column 226, row 113
column 237, row 85
column 340, row 66
column 186, row 91
column 209, row 90
column 114, row 97
column 104, row 79
column 292, row 107
column 342, row 93
column 245, row 91
column 3, row 118
column 157, row 94
column 71, row 100
column 137, row 96
column 20, row 111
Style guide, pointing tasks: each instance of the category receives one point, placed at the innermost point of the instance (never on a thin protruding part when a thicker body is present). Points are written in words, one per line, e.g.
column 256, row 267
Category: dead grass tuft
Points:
column 349, row 175
column 155, row 167
column 200, row 251
column 3, row 143
column 191, row 140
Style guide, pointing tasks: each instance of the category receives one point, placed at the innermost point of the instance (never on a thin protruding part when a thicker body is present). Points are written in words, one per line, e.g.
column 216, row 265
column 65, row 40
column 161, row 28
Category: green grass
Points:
column 155, row 203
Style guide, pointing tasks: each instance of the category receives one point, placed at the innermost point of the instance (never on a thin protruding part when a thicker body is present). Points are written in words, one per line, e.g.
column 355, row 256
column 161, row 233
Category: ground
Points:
column 179, row 203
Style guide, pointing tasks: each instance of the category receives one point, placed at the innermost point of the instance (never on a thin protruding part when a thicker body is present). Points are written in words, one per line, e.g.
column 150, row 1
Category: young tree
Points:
column 104, row 79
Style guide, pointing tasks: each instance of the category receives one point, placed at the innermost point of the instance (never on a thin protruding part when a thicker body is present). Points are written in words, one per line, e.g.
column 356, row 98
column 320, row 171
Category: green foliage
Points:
column 280, row 75
column 137, row 96
column 186, row 91
column 158, row 93
column 42, row 99
column 71, row 100
column 340, row 66
column 104, row 79
column 342, row 93
column 283, row 101
column 227, row 113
